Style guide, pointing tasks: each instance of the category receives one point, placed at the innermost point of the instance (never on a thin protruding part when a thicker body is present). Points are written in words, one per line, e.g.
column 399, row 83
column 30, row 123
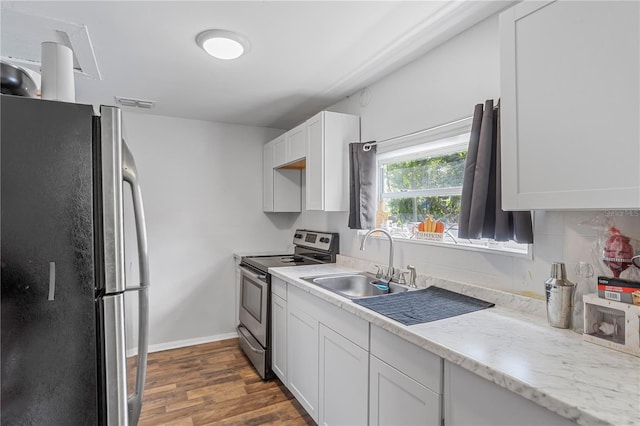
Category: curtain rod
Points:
column 367, row 146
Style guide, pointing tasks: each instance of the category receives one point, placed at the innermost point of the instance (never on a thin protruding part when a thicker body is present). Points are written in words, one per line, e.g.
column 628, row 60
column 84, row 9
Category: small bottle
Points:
column 585, row 285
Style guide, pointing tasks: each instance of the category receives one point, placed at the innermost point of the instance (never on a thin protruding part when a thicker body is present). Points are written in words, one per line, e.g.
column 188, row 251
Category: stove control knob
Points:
column 298, row 236
column 324, row 240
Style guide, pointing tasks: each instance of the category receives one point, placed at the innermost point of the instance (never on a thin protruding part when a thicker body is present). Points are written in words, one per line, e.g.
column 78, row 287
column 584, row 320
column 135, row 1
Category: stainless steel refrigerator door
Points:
column 115, row 362
column 112, row 223
column 118, row 167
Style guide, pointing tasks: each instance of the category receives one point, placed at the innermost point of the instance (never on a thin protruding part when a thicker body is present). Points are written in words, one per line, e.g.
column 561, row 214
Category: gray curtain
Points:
column 481, row 214
column 362, row 186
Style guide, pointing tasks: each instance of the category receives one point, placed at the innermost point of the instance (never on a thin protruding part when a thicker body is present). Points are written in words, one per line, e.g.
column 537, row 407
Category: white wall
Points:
column 441, row 87
column 202, row 191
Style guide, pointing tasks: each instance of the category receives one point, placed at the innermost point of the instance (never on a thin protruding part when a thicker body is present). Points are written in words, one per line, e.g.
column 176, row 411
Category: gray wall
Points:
column 202, row 191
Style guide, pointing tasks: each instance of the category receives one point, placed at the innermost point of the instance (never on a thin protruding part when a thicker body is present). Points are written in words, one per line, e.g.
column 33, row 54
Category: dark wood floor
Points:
column 214, row 383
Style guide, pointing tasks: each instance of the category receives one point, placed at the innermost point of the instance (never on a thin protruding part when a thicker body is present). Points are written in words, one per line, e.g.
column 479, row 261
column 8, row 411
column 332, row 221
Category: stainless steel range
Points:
column 254, row 330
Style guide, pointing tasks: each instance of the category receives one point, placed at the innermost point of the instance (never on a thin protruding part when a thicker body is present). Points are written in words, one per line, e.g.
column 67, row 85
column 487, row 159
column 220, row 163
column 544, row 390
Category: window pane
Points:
column 405, row 210
column 436, row 172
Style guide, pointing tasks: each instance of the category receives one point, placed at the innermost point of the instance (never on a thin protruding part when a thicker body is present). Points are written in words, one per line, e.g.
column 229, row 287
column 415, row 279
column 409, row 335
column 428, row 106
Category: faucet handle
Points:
column 413, row 276
column 401, row 276
column 379, row 271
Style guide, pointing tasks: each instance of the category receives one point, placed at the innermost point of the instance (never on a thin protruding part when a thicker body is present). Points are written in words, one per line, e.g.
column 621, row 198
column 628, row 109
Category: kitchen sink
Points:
column 355, row 285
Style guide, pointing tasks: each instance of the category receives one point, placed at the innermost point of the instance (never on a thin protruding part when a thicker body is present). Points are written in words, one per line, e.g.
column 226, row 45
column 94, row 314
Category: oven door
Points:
column 254, row 304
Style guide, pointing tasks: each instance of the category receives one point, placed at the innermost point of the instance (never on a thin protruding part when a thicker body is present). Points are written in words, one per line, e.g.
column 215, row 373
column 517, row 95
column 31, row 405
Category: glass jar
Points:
column 586, row 284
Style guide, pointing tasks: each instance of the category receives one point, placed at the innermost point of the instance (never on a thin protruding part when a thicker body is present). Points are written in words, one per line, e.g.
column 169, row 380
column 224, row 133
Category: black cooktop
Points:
column 310, row 248
column 263, row 263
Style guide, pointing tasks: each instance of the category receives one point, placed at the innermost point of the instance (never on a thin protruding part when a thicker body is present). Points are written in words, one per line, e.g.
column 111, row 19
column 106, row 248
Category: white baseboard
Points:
column 190, row 342
column 183, row 343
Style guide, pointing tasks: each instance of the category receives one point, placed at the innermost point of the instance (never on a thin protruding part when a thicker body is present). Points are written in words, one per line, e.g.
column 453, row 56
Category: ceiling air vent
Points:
column 23, row 33
column 135, row 103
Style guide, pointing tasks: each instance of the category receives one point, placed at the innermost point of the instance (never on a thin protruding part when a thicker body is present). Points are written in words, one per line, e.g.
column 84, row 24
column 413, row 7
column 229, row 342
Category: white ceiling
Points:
column 304, row 57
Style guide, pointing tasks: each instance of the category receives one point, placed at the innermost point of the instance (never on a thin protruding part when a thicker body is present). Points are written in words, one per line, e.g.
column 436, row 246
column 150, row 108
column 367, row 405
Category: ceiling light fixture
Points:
column 223, row 44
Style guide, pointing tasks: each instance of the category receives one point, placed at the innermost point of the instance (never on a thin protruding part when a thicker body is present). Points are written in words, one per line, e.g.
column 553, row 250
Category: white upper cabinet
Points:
column 570, row 105
column 279, row 151
column 267, row 177
column 281, row 188
column 327, row 168
column 297, row 143
column 291, row 147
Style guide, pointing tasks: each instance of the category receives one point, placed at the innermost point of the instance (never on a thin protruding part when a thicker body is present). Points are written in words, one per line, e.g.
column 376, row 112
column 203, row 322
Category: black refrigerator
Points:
column 63, row 358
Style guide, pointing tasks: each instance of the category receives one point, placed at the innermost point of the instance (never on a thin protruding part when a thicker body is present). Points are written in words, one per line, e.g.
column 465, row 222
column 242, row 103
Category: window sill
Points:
column 510, row 252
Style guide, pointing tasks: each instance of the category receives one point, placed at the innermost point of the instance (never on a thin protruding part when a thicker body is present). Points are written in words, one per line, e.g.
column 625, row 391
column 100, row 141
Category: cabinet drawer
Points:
column 279, row 287
column 417, row 363
column 350, row 326
column 353, row 328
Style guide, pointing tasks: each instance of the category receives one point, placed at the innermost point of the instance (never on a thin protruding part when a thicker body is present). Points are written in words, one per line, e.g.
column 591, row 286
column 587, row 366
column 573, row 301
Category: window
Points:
column 421, row 178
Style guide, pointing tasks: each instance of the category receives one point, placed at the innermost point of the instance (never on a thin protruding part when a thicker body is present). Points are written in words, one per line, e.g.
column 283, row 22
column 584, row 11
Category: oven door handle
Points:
column 250, row 273
column 248, row 339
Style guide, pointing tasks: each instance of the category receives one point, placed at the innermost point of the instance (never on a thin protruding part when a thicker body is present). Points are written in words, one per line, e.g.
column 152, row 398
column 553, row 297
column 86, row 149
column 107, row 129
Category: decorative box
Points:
column 620, row 290
column 614, row 325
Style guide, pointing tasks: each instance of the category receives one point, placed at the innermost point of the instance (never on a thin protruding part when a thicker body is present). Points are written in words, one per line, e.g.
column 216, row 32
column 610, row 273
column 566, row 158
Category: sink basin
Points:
column 354, row 285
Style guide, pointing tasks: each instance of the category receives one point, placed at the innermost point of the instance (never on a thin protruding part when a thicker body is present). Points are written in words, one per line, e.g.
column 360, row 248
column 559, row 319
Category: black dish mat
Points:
column 429, row 304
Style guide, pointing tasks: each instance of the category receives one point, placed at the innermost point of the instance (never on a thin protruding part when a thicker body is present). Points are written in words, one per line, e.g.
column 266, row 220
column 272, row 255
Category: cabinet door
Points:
column 267, row 178
column 570, row 105
column 279, row 337
column 343, row 381
column 280, row 151
column 297, row 143
column 471, row 400
column 302, row 355
column 396, row 399
column 315, row 163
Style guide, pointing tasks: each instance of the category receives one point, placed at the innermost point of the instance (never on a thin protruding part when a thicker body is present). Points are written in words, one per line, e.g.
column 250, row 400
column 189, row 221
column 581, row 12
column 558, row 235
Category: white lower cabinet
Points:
column 343, row 369
column 396, row 399
column 405, row 382
column 327, row 360
column 471, row 400
column 279, row 336
column 302, row 356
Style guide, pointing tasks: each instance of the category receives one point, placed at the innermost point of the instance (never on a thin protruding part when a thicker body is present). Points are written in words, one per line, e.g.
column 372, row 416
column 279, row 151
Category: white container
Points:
column 611, row 324
column 57, row 73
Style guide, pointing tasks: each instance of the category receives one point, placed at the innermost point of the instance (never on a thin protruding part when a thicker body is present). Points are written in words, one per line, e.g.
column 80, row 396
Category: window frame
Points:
column 438, row 140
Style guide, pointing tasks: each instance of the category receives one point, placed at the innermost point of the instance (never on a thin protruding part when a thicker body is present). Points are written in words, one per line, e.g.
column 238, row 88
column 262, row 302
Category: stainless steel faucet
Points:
column 390, row 271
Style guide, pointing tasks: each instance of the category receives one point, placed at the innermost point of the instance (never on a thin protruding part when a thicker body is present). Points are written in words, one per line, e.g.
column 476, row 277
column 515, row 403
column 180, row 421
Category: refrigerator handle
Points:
column 130, row 175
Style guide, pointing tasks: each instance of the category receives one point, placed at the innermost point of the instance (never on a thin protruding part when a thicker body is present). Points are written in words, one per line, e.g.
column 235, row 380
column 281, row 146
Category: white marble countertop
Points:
column 554, row 368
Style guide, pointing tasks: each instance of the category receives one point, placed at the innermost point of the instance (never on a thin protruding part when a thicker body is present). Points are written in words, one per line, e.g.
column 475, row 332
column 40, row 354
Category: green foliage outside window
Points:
column 430, row 173
column 446, row 208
